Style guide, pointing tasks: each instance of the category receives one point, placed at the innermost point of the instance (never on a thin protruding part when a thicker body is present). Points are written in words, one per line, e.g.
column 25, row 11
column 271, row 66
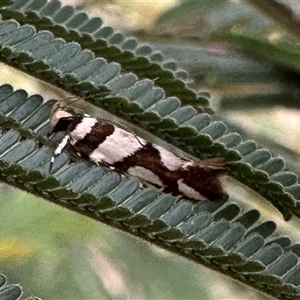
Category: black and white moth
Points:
column 106, row 144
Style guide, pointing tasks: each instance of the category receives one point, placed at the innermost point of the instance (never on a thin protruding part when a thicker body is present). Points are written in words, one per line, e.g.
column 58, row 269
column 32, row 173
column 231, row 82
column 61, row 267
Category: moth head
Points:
column 60, row 111
column 62, row 116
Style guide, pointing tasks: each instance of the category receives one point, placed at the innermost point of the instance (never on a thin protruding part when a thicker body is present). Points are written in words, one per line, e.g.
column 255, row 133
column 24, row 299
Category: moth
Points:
column 112, row 145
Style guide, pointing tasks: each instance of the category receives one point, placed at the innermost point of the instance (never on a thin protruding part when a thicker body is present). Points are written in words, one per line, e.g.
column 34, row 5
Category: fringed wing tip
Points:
column 216, row 163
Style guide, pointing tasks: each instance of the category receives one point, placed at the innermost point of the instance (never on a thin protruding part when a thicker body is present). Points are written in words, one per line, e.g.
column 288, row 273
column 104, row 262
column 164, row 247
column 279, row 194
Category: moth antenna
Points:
column 123, row 126
column 71, row 99
column 126, row 128
column 78, row 98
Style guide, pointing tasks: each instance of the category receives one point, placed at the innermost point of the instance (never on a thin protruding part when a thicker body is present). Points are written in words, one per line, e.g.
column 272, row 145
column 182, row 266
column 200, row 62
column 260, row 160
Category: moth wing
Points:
column 216, row 163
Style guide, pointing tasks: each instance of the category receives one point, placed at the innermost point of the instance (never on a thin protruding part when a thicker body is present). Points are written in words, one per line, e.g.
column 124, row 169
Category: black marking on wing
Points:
column 77, row 119
column 100, row 131
column 204, row 180
column 63, row 124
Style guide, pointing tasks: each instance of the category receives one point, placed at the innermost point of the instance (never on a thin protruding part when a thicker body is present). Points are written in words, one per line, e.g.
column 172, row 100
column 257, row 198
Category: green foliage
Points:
column 282, row 54
column 65, row 48
column 103, row 42
column 11, row 291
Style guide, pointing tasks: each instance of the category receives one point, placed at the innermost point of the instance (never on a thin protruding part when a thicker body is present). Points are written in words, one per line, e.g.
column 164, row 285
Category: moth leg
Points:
column 145, row 183
column 102, row 163
column 58, row 150
column 105, row 164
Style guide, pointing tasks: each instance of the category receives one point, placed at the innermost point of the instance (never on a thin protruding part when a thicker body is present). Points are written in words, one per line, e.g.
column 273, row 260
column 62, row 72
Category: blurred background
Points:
column 247, row 56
